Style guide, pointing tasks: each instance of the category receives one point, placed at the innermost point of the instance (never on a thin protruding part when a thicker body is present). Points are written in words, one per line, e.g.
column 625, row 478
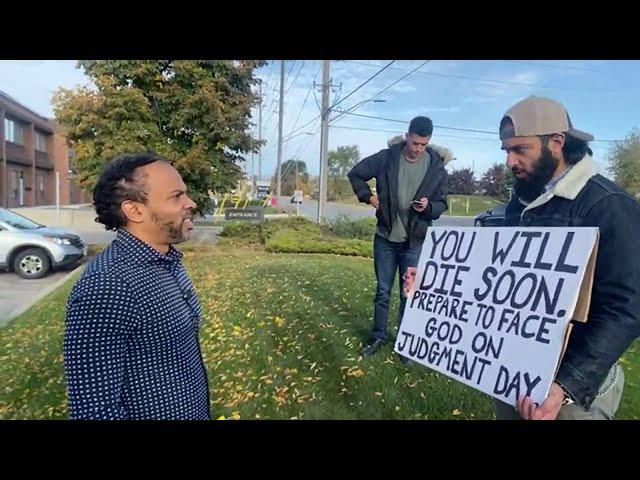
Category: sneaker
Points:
column 372, row 347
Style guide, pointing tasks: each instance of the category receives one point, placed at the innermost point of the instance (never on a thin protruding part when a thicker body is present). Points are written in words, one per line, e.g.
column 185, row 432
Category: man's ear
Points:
column 134, row 211
column 556, row 142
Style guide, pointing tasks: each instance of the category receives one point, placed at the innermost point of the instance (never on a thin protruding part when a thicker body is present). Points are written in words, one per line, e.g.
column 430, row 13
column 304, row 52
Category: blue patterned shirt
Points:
column 131, row 346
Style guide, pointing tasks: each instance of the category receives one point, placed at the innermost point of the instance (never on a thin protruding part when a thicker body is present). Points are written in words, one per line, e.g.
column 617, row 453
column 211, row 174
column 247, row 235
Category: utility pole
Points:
column 280, row 114
column 260, row 133
column 324, row 140
column 252, row 178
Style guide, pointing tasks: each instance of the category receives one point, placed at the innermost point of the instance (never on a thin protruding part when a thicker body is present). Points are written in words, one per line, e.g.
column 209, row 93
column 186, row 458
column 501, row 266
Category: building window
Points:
column 41, row 142
column 13, row 132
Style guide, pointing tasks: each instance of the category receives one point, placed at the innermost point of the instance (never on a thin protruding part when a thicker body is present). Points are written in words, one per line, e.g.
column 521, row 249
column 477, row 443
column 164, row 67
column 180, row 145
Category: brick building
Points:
column 32, row 151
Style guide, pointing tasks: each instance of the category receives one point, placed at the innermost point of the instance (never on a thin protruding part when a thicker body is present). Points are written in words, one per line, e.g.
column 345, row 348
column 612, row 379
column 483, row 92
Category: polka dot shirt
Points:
column 131, row 346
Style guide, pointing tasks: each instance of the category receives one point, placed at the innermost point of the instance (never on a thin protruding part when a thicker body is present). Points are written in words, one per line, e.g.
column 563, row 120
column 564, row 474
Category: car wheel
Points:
column 32, row 263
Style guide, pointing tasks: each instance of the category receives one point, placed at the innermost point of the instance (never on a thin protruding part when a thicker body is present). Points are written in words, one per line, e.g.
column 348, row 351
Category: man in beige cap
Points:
column 557, row 185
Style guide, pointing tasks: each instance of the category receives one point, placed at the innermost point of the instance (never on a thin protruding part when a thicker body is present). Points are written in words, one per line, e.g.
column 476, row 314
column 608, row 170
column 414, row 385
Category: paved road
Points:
column 309, row 209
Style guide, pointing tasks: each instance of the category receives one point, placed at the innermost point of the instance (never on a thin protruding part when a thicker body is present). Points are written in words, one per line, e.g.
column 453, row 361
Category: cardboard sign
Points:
column 490, row 307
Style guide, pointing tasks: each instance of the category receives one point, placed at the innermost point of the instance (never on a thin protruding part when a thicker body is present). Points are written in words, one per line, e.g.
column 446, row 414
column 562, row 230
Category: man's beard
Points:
column 532, row 186
column 174, row 234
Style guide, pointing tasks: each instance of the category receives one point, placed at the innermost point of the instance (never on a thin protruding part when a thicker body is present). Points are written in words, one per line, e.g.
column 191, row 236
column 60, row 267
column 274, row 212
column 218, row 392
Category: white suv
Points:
column 32, row 250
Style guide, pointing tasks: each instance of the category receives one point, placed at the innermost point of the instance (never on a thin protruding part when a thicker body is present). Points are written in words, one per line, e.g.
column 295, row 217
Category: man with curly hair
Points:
column 131, row 346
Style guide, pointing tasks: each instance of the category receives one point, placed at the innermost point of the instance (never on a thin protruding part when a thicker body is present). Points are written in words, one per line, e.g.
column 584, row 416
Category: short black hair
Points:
column 421, row 126
column 119, row 181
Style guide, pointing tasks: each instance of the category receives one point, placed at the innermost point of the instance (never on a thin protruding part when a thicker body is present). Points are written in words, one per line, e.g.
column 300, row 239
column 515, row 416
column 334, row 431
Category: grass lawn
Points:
column 281, row 337
column 477, row 205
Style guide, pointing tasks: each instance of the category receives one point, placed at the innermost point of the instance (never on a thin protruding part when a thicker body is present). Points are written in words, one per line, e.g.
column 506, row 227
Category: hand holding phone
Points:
column 420, row 205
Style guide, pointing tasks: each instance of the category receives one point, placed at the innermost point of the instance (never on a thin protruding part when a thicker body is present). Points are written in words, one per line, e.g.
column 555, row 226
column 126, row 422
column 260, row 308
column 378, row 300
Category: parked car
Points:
column 493, row 217
column 32, row 250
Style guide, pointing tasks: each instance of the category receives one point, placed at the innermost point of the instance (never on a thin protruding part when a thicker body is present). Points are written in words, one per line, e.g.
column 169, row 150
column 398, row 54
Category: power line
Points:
column 303, row 126
column 344, row 98
column 268, row 85
column 295, row 156
column 289, row 136
column 288, row 90
column 294, row 79
column 267, row 81
column 290, row 86
column 363, row 84
column 358, row 105
column 290, row 70
column 404, row 122
column 270, row 135
column 401, row 78
column 563, row 67
column 305, row 145
column 270, row 132
column 315, row 97
column 305, row 99
column 486, row 80
column 271, row 93
column 301, row 149
column 397, row 132
column 443, row 127
column 270, row 112
column 276, row 97
column 347, row 127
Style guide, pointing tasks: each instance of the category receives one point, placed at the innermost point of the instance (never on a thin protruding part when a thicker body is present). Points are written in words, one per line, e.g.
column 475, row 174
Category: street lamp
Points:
column 357, row 105
column 296, row 135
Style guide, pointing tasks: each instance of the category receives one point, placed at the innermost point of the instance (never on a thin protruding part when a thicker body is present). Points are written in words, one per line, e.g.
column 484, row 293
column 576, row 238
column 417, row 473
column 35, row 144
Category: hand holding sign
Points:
column 548, row 410
column 409, row 278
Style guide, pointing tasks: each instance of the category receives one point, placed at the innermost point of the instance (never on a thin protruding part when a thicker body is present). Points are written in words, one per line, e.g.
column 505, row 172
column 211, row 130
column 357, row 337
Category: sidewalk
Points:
column 17, row 295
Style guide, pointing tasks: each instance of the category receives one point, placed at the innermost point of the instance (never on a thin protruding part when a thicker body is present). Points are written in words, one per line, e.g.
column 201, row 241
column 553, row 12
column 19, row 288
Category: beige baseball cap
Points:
column 539, row 116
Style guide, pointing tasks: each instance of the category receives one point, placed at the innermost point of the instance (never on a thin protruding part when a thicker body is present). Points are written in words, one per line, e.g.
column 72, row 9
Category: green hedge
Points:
column 347, row 227
column 299, row 241
column 249, row 232
column 299, row 235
